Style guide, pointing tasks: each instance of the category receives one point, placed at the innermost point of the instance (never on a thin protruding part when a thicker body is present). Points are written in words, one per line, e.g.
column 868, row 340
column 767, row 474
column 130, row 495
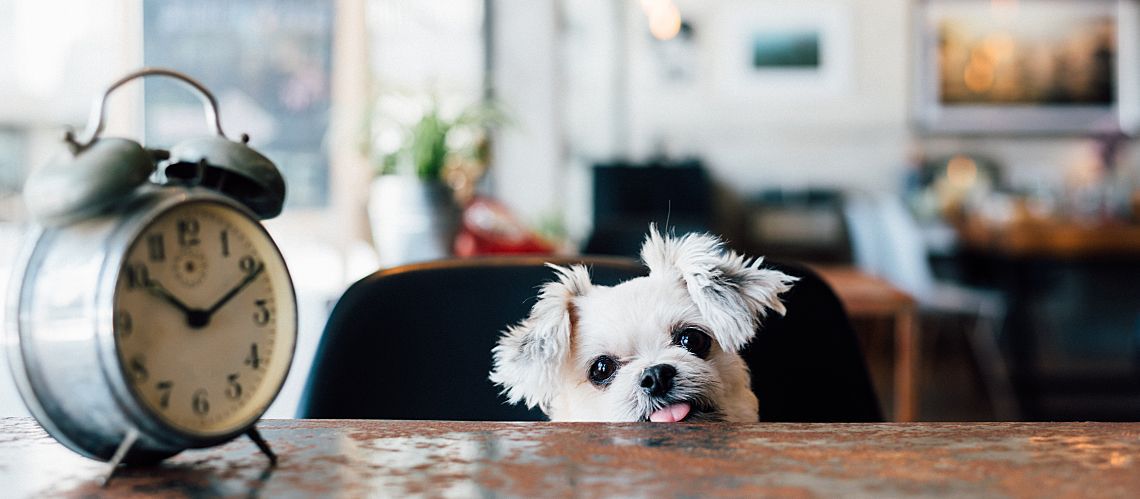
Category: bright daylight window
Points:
column 273, row 66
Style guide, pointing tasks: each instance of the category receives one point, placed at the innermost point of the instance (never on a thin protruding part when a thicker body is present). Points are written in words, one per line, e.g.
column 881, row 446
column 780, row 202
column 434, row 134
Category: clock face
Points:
column 204, row 319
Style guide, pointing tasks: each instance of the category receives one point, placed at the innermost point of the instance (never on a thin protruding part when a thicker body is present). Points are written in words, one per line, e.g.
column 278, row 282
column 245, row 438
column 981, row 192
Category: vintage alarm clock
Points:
column 151, row 312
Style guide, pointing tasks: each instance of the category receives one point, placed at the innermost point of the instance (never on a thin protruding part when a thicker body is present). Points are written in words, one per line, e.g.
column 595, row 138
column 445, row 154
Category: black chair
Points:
column 414, row 342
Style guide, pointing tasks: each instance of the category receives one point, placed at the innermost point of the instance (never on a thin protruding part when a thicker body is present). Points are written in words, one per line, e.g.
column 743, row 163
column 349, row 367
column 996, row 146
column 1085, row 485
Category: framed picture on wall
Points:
column 1026, row 67
column 785, row 48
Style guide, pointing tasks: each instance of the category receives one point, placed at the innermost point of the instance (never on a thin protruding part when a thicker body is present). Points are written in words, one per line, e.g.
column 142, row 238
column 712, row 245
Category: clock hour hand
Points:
column 236, row 289
column 196, row 318
column 157, row 289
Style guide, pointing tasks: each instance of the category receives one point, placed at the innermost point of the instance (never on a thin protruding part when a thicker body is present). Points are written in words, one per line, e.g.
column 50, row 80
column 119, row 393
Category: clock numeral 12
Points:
column 225, row 243
column 188, row 232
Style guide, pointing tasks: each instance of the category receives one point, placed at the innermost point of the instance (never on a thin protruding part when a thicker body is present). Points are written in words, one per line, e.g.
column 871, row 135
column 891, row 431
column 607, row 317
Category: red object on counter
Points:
column 488, row 228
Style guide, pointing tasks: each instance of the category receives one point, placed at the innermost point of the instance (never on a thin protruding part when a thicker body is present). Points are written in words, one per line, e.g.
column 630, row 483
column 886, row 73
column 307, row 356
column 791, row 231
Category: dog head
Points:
column 661, row 347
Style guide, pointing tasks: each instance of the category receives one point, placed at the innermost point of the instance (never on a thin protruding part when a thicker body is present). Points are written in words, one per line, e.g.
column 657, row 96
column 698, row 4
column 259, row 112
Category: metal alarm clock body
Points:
column 163, row 318
column 129, row 322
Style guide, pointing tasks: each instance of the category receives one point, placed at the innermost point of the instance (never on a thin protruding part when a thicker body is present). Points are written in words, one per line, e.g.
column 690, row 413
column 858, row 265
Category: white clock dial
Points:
column 204, row 318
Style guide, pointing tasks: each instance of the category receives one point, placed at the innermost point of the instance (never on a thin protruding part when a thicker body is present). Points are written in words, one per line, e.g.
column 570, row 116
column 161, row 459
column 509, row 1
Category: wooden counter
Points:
column 352, row 458
column 1052, row 238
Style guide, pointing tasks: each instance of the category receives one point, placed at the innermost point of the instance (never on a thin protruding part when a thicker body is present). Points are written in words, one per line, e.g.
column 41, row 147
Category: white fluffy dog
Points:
column 657, row 348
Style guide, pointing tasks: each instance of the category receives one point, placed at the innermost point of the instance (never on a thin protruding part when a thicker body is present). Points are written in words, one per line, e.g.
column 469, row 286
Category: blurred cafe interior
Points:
column 964, row 173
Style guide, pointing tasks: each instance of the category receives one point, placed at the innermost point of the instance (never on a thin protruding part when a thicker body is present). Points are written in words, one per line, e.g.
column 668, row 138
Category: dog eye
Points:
column 693, row 340
column 602, row 370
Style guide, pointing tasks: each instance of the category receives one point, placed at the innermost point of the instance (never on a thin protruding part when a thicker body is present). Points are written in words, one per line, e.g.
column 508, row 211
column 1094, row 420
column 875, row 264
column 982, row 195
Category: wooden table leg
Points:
column 906, row 366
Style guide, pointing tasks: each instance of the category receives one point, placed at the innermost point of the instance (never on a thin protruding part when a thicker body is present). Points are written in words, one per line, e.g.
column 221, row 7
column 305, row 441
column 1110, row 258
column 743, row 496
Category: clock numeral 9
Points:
column 124, row 325
column 199, row 403
column 137, row 276
column 253, row 359
column 233, row 390
column 262, row 316
column 188, row 232
column 164, row 387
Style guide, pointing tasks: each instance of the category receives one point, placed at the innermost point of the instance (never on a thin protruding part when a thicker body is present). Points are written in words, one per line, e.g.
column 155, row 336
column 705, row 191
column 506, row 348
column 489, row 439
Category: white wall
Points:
column 755, row 134
column 528, row 163
column 854, row 134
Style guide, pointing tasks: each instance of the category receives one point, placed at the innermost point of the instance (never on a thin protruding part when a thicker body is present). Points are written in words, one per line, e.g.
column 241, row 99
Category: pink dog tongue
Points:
column 671, row 414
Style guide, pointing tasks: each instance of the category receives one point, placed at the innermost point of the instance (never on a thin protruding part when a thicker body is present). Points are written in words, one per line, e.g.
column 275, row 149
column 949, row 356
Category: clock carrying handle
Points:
column 95, row 121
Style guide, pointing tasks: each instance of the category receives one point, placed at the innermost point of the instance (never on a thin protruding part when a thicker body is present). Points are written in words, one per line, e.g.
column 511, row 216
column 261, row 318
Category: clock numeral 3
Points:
column 200, row 403
column 137, row 276
column 188, row 232
column 156, row 248
column 164, row 388
column 253, row 359
column 262, row 316
column 233, row 391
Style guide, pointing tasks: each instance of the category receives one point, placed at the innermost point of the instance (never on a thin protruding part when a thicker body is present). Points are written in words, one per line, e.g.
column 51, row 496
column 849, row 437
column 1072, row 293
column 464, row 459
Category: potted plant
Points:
column 425, row 165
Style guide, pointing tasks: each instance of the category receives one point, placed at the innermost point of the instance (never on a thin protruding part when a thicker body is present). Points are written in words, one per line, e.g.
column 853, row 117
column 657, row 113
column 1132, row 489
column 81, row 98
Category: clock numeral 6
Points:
column 262, row 316
column 233, row 390
column 164, row 388
column 137, row 276
column 200, row 403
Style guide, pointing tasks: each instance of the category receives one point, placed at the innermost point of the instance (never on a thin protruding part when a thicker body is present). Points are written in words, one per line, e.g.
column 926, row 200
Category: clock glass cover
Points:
column 204, row 318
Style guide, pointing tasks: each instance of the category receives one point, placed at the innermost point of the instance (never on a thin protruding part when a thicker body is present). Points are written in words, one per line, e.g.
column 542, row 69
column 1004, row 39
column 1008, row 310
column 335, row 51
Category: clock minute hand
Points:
column 236, row 289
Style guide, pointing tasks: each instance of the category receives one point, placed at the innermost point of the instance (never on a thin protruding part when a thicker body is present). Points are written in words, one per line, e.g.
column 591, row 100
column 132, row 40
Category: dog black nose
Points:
column 658, row 380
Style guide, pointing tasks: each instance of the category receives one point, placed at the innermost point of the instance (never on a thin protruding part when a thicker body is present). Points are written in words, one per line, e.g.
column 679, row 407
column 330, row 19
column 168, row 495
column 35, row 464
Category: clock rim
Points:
column 33, row 382
column 22, row 373
column 162, row 200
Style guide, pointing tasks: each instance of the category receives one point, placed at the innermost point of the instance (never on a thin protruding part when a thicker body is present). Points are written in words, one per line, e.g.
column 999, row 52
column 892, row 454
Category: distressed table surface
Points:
column 400, row 458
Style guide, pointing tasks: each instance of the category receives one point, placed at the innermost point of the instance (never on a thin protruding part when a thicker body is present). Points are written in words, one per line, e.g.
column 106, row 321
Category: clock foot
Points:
column 128, row 441
column 254, row 435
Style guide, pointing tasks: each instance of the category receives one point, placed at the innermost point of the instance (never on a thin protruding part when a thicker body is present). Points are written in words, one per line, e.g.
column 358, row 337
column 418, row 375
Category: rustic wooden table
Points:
column 398, row 458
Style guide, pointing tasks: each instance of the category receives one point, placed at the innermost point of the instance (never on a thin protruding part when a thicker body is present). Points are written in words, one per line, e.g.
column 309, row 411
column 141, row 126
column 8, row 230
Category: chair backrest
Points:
column 887, row 241
column 414, row 342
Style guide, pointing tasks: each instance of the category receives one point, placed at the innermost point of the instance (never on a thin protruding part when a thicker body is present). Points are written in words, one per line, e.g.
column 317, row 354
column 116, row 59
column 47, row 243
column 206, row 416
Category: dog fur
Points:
column 695, row 286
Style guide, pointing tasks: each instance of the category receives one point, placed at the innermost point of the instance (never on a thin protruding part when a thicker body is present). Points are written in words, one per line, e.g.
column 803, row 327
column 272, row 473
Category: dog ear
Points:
column 731, row 292
column 530, row 354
